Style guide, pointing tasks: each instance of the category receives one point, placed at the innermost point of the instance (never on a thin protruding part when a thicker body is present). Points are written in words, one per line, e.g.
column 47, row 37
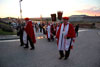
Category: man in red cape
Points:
column 65, row 35
column 30, row 33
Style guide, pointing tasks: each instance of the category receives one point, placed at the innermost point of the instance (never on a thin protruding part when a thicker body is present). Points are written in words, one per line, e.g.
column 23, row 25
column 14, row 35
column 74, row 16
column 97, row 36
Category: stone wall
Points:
column 97, row 25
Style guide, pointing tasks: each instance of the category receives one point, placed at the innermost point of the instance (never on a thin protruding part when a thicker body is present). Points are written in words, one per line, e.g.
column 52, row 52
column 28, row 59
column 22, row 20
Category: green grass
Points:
column 7, row 33
column 4, row 24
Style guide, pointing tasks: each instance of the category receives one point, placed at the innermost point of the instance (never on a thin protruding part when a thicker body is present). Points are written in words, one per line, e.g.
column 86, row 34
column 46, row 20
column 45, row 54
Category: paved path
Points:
column 86, row 53
column 8, row 37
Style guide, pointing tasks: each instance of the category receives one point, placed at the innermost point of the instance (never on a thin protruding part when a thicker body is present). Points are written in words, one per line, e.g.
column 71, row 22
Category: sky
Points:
column 44, row 8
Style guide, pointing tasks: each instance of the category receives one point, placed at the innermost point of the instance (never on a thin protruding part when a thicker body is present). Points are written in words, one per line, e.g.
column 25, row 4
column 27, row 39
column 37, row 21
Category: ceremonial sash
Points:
column 48, row 29
column 61, row 43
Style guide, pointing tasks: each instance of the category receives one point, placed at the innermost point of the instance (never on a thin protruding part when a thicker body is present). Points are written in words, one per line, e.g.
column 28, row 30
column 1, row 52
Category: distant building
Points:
column 84, row 18
column 91, row 19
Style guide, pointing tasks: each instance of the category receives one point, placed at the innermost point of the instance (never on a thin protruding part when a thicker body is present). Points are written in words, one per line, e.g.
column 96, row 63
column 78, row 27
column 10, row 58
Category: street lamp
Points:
column 20, row 10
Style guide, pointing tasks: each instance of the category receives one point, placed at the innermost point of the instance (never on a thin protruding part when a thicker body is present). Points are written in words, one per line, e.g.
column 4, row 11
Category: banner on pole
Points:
column 20, row 0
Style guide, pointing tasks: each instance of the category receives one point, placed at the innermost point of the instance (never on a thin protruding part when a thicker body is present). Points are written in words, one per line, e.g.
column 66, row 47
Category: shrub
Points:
column 6, row 27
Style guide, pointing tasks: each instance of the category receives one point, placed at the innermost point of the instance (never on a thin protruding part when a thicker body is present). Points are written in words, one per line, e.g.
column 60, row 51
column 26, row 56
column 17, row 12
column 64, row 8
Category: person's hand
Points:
column 68, row 37
column 71, row 47
column 50, row 33
column 65, row 37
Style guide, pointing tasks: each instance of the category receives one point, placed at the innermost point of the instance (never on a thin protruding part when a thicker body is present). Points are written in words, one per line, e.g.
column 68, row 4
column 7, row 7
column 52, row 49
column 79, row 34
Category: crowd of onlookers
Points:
column 42, row 27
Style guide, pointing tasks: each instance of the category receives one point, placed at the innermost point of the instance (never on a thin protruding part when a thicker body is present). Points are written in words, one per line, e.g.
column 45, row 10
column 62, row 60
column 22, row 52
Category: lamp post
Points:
column 20, row 10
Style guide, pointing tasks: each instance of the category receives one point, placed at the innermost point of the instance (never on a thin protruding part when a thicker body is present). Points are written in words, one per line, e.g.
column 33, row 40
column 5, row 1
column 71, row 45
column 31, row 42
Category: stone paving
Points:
column 86, row 52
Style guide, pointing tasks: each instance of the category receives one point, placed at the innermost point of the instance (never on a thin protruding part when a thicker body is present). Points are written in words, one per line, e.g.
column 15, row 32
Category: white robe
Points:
column 57, row 29
column 25, row 37
column 63, row 43
column 48, row 31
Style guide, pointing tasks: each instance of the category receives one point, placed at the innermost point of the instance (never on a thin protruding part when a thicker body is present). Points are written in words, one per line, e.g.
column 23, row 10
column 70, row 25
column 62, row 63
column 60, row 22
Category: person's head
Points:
column 26, row 19
column 65, row 19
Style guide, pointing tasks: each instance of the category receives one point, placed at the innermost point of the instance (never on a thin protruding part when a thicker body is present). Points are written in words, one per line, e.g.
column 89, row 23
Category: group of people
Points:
column 63, row 32
column 40, row 27
column 65, row 35
column 51, row 31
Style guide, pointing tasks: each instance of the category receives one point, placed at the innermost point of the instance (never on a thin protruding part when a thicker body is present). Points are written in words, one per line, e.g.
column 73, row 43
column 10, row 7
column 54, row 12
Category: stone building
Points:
column 84, row 18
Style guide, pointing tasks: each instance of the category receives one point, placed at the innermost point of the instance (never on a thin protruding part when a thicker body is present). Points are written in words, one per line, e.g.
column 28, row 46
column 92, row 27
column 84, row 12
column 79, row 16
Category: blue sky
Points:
column 35, row 8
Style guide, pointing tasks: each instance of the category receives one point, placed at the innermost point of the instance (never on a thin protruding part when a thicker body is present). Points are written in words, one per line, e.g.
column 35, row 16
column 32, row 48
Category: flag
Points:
column 20, row 0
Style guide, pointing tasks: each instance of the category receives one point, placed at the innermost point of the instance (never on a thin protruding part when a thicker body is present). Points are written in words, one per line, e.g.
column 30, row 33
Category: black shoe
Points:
column 65, row 58
column 61, row 57
column 48, row 40
column 52, row 39
column 21, row 45
column 25, row 47
column 32, row 48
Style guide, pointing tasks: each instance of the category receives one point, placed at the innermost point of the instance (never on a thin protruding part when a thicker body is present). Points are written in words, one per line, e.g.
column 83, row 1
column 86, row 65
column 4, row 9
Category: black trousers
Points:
column 40, row 29
column 31, row 43
column 64, row 53
column 52, row 37
column 21, row 40
column 49, row 39
column 21, row 37
column 44, row 31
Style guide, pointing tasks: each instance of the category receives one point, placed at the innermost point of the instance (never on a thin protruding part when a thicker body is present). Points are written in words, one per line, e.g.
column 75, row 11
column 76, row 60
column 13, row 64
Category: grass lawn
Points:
column 7, row 33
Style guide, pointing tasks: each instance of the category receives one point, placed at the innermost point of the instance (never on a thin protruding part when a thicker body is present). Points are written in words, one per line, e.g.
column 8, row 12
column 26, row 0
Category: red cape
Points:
column 71, row 32
column 30, row 31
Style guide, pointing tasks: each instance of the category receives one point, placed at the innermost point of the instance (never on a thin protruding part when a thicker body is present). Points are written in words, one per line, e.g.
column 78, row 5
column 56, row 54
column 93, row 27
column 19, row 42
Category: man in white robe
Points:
column 65, row 35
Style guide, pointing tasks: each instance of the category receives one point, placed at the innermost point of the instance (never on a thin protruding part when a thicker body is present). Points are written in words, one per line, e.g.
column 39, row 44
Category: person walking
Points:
column 20, row 29
column 65, row 35
column 76, row 29
column 30, row 35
